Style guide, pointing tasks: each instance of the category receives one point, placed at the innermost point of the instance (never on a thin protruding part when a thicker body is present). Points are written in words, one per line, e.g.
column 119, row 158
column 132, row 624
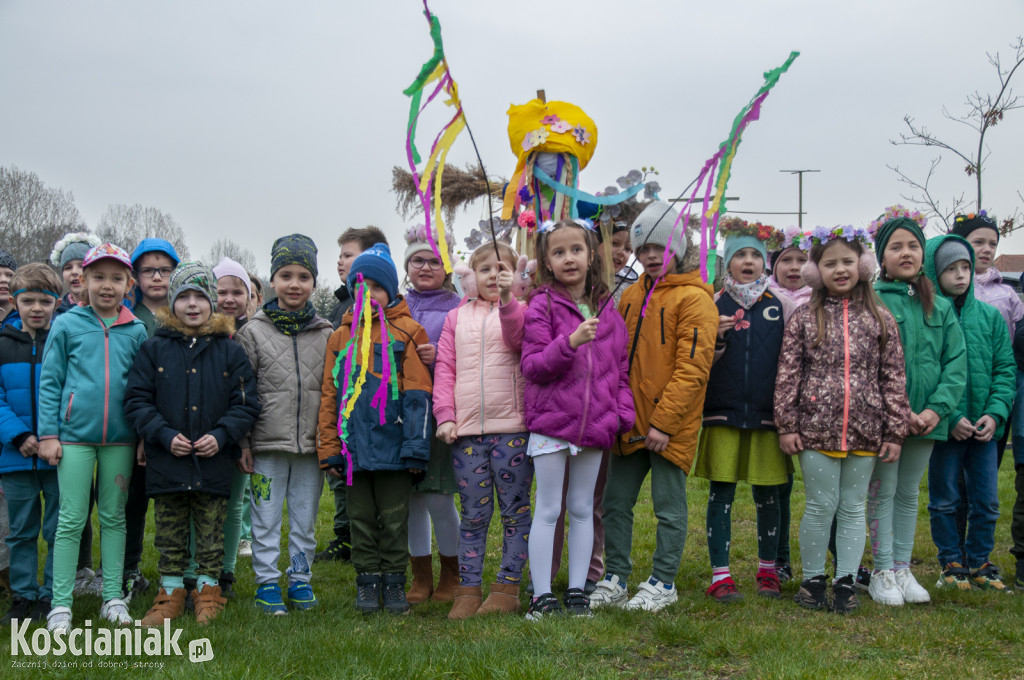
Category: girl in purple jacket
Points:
column 574, row 346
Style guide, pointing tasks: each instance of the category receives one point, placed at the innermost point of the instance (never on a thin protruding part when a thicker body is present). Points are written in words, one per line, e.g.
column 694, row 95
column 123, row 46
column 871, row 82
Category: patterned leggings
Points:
column 719, row 521
column 482, row 463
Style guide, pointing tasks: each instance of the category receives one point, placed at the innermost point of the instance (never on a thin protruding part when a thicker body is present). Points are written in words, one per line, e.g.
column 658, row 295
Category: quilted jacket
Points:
column 989, row 287
column 21, row 358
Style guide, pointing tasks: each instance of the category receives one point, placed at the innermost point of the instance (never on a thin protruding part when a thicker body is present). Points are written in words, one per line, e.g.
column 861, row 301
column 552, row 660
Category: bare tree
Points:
column 33, row 217
column 225, row 247
column 127, row 225
column 983, row 112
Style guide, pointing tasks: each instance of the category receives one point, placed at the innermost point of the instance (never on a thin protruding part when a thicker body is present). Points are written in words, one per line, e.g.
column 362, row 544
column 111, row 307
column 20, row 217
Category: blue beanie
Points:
column 376, row 264
column 734, row 244
column 154, row 245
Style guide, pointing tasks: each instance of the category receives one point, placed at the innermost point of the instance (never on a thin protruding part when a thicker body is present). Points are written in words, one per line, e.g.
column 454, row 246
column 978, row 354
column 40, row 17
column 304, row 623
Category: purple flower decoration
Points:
column 651, row 190
column 524, row 195
column 550, row 119
column 581, row 135
column 821, row 233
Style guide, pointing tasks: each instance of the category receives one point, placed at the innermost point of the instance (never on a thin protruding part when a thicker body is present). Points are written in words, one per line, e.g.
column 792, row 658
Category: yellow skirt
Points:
column 731, row 454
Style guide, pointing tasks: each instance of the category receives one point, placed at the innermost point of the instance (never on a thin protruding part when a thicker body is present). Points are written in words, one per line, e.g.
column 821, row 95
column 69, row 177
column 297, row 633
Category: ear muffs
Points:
column 810, row 274
column 866, row 267
column 466, row 279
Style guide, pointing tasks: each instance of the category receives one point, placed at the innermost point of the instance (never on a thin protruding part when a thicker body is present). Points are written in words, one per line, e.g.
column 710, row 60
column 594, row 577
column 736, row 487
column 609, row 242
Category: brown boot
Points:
column 449, row 578
column 208, row 603
column 422, row 579
column 503, row 599
column 467, row 602
column 165, row 607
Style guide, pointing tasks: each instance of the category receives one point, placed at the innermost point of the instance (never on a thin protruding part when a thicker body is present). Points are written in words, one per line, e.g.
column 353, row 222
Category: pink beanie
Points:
column 228, row 267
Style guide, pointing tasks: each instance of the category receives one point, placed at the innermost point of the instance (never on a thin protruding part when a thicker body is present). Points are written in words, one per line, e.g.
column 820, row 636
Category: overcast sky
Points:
column 250, row 120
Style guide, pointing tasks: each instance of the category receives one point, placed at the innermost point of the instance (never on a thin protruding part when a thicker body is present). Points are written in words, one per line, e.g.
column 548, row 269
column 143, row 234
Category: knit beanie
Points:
column 416, row 247
column 654, row 226
column 154, row 245
column 7, row 260
column 193, row 276
column 734, row 244
column 376, row 264
column 952, row 250
column 293, row 249
column 885, row 232
column 963, row 225
column 228, row 267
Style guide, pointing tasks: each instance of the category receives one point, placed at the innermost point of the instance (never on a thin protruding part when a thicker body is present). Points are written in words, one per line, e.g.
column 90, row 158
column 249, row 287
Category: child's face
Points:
column 232, row 296
column 35, row 309
column 377, row 292
column 838, row 267
column 955, row 278
column 350, row 250
column 652, row 257
column 425, row 271
column 621, row 249
column 73, row 280
column 192, row 308
column 487, row 270
column 746, row 265
column 107, row 282
column 568, row 256
column 903, row 256
column 788, row 266
column 984, row 242
column 154, row 270
column 5, row 285
column 293, row 284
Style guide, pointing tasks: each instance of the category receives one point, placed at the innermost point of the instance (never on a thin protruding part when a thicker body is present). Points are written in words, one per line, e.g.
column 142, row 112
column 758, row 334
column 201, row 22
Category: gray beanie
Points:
column 952, row 250
column 654, row 225
column 7, row 260
column 74, row 251
column 193, row 276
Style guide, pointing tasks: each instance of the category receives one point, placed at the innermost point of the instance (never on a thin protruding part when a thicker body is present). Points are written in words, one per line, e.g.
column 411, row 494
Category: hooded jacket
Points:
column 579, row 395
column 288, row 370
column 81, row 386
column 196, row 382
column 991, row 376
column 21, row 358
column 989, row 287
column 670, row 355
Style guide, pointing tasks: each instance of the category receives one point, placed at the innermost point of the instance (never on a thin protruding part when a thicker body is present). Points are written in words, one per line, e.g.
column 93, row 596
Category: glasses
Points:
column 151, row 272
column 433, row 264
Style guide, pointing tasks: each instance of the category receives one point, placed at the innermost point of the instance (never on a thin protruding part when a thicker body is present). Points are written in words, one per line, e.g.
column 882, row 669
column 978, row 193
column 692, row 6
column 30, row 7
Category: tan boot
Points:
column 208, row 603
column 422, row 579
column 449, row 578
column 503, row 599
column 165, row 607
column 467, row 602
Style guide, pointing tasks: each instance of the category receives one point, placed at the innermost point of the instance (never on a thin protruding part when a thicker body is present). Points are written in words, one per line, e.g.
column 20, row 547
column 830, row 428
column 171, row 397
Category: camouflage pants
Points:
column 172, row 513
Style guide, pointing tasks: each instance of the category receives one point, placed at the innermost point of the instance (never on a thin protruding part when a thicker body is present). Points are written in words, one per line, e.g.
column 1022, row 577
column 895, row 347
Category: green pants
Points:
column 233, row 521
column 378, row 509
column 113, row 465
column 175, row 515
column 626, row 476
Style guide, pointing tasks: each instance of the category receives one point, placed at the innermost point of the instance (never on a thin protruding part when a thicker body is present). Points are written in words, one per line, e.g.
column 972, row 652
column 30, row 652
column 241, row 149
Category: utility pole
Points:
column 800, row 208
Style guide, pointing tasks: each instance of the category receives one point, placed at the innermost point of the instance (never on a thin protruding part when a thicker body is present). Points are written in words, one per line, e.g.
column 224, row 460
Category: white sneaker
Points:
column 912, row 591
column 653, row 595
column 59, row 618
column 610, row 591
column 116, row 611
column 245, row 548
column 883, row 588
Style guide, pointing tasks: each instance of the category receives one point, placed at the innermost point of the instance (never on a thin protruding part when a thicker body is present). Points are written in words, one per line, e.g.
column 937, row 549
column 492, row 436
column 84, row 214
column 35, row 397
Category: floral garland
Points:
column 823, row 235
column 983, row 214
column 560, row 127
column 734, row 226
column 793, row 237
column 894, row 211
column 92, row 240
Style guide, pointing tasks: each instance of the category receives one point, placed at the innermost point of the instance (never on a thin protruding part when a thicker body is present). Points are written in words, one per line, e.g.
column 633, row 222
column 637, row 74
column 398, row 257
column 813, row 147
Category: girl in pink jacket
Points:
column 478, row 405
column 577, row 400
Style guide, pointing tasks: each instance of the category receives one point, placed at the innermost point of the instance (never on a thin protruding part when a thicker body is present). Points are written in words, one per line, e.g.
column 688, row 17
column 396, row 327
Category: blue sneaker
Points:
column 268, row 598
column 301, row 595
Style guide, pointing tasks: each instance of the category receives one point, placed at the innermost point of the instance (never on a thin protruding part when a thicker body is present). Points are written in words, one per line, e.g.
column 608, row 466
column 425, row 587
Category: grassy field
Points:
column 959, row 635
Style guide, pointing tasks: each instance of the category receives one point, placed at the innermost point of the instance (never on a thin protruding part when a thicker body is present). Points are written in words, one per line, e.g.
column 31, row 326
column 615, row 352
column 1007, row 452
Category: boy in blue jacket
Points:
column 34, row 290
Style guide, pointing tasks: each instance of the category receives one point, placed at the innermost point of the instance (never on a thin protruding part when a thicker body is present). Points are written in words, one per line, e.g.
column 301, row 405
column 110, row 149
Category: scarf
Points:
column 745, row 294
column 800, row 296
column 289, row 323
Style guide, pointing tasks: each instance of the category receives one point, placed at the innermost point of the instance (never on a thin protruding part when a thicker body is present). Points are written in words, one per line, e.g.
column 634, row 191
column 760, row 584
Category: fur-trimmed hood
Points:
column 217, row 324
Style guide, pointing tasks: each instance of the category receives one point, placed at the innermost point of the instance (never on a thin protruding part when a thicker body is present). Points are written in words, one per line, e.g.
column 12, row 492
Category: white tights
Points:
column 439, row 508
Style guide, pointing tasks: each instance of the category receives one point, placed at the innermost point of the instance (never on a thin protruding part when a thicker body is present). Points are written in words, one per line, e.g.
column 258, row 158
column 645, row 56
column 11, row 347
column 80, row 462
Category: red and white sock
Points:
column 719, row 574
column 766, row 566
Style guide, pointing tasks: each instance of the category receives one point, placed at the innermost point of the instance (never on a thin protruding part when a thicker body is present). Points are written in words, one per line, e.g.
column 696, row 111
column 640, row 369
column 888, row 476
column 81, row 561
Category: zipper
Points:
column 746, row 374
column 106, row 380
column 483, row 337
column 241, row 386
column 67, row 411
column 298, row 393
column 663, row 325
column 846, row 370
column 586, row 392
column 693, row 347
column 32, row 395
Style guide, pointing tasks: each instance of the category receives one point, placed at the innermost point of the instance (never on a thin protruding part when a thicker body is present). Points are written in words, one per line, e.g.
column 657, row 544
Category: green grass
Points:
column 961, row 635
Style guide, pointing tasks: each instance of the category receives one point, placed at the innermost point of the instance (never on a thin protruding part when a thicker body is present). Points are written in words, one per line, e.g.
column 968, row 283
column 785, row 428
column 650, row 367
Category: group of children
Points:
column 161, row 378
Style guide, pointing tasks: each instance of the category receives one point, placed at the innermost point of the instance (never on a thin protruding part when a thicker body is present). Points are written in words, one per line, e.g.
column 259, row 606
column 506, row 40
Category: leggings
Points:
column 437, row 509
column 584, row 468
column 232, row 527
column 892, row 503
column 719, row 521
column 835, row 487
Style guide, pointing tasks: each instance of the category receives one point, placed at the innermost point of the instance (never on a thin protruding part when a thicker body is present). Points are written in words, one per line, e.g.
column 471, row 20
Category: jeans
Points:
column 977, row 460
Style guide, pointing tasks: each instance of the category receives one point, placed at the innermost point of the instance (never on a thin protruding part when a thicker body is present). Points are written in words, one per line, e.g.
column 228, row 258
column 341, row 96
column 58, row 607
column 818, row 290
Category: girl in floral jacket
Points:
column 840, row 403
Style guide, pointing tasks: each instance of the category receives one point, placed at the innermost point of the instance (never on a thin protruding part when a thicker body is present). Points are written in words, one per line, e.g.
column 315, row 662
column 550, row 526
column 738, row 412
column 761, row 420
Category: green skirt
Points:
column 440, row 473
column 730, row 454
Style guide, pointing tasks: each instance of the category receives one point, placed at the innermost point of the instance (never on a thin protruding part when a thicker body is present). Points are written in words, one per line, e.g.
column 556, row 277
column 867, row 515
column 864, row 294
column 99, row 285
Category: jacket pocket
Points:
column 67, row 411
column 378, row 356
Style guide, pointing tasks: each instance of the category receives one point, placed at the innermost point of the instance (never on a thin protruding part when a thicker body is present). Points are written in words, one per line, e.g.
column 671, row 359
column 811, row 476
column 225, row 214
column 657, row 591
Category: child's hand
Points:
column 890, row 452
column 964, row 429
column 244, row 463
column 334, row 472
column 928, row 419
column 584, row 333
column 206, row 446
column 29, row 447
column 790, row 444
column 51, row 451
column 724, row 324
column 504, row 283
column 140, row 453
column 181, row 446
column 427, row 352
column 657, row 440
column 446, row 432
column 985, row 428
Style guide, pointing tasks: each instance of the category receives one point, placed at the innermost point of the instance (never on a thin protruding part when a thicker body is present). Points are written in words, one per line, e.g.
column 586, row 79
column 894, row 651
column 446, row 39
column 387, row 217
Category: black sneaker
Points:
column 544, row 605
column 577, row 603
column 589, row 586
column 1018, row 583
column 338, row 549
column 844, row 596
column 134, row 583
column 394, row 593
column 227, row 584
column 190, row 586
column 812, row 593
column 863, row 580
column 368, row 593
column 783, row 570
column 42, row 609
column 21, row 609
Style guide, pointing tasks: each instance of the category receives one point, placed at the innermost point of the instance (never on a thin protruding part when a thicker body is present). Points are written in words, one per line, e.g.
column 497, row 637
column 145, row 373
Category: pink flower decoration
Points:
column 560, row 127
column 549, row 119
column 527, row 219
column 741, row 323
column 581, row 134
